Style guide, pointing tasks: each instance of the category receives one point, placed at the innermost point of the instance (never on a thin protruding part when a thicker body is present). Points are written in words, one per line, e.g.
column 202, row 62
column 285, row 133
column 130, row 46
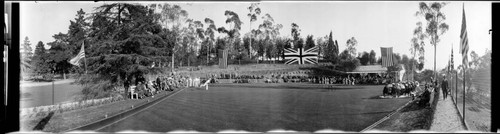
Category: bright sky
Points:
column 373, row 24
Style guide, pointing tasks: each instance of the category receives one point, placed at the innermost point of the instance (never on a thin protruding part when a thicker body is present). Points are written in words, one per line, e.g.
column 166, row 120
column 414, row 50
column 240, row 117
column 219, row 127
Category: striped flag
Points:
column 223, row 58
column 451, row 61
column 76, row 60
column 301, row 57
column 387, row 56
column 464, row 41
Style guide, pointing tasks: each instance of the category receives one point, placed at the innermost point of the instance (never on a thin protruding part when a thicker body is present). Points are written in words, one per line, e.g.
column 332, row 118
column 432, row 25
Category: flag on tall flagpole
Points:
column 464, row 41
column 223, row 58
column 451, row 61
column 387, row 56
column 76, row 60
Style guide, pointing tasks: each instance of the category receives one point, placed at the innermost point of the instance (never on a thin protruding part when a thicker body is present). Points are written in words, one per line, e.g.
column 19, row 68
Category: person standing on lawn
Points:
column 444, row 87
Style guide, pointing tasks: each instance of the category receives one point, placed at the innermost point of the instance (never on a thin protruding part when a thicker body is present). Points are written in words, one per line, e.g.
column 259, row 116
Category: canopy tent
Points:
column 378, row 69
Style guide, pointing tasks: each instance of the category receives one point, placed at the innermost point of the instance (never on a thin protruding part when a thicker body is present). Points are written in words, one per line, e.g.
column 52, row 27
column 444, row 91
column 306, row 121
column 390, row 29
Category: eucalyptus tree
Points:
column 295, row 32
column 435, row 22
column 351, row 45
column 417, row 45
column 232, row 31
column 268, row 32
column 173, row 18
column 254, row 11
column 210, row 36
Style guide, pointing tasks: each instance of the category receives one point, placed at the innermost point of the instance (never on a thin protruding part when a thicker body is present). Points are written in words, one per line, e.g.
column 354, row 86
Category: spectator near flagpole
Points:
column 76, row 60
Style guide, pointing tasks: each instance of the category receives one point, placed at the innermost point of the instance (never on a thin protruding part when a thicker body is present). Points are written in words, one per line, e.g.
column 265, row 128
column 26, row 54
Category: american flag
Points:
column 464, row 42
column 387, row 56
column 76, row 61
column 310, row 55
column 222, row 58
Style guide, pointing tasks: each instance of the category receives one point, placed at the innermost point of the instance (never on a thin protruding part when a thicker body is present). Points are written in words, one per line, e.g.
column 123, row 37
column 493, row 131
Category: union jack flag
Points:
column 310, row 55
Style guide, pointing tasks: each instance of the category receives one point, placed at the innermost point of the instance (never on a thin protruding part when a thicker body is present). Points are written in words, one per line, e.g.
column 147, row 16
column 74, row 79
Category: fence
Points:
column 474, row 105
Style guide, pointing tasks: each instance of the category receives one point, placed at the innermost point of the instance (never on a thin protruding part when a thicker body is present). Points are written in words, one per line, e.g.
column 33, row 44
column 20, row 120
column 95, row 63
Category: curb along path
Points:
column 446, row 116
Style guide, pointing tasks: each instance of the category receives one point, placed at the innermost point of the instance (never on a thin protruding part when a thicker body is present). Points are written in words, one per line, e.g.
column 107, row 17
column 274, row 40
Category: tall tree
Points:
column 254, row 11
column 435, row 22
column 347, row 62
column 295, row 32
column 234, row 22
column 321, row 43
column 309, row 42
column 365, row 58
column 210, row 36
column 135, row 43
column 39, row 62
column 58, row 53
column 26, row 55
column 331, row 50
column 172, row 18
column 373, row 57
column 351, row 45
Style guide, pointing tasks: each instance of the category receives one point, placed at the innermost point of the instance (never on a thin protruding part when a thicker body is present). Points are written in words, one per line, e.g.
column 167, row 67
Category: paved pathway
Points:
column 446, row 116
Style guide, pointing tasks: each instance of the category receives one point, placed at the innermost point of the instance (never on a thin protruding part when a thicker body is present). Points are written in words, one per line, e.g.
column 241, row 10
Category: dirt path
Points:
column 446, row 116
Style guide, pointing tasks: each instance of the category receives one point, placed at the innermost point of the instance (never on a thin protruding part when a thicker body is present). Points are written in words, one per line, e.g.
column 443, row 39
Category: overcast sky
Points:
column 373, row 24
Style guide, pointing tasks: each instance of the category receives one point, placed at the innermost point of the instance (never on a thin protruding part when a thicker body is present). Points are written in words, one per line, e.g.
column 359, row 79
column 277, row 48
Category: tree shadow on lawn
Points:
column 43, row 122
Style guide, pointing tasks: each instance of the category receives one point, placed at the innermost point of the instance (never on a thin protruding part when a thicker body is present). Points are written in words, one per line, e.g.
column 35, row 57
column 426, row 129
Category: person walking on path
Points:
column 446, row 117
column 444, row 87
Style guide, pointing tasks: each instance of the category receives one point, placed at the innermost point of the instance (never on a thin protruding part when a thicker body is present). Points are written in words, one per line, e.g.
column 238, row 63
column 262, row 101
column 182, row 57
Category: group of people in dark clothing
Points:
column 433, row 86
column 143, row 87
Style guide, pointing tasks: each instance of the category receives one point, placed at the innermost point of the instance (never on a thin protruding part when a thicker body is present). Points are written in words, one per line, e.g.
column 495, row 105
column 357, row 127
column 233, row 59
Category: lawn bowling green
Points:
column 263, row 107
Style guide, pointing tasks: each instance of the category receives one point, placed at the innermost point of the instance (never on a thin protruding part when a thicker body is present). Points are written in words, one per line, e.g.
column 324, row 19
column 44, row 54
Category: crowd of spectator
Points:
column 141, row 87
column 347, row 79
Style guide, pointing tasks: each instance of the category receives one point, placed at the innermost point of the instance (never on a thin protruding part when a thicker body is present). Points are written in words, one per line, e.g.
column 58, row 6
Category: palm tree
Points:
column 435, row 23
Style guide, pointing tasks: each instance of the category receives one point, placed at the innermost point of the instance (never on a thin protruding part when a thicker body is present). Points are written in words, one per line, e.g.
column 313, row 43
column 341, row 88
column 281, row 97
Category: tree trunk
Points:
column 208, row 52
column 250, row 46
column 435, row 73
column 172, row 70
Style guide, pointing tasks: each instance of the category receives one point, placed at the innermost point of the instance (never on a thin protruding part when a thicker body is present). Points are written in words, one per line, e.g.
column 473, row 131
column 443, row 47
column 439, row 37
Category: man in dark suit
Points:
column 444, row 87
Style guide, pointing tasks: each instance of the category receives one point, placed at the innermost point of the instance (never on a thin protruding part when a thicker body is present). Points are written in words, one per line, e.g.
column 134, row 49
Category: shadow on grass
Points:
column 43, row 122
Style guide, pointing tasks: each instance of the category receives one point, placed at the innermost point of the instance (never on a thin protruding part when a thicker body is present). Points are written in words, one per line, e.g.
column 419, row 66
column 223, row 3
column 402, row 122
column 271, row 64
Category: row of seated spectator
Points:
column 145, row 88
column 292, row 77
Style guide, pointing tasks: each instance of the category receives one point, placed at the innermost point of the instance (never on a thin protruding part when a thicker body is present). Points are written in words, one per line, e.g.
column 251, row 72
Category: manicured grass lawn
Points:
column 34, row 96
column 264, row 107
